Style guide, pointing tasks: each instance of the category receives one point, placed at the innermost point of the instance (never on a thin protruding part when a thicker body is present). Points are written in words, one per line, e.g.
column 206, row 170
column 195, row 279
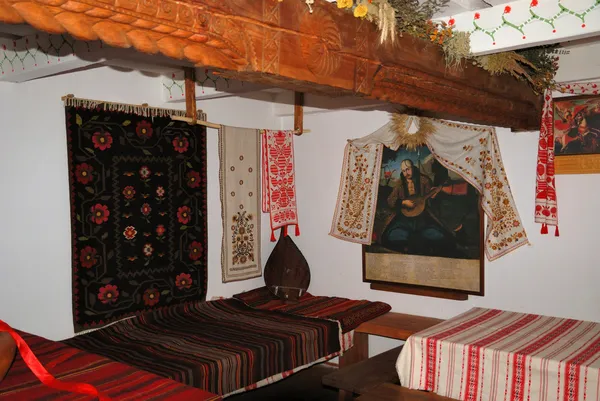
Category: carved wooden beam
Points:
column 280, row 43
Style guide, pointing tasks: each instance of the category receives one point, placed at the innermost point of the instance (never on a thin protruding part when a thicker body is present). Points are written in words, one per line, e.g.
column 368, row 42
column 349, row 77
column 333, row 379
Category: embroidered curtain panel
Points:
column 468, row 150
column 357, row 196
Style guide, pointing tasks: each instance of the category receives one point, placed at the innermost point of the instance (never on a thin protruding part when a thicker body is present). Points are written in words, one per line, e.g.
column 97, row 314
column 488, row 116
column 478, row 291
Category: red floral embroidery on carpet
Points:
column 138, row 203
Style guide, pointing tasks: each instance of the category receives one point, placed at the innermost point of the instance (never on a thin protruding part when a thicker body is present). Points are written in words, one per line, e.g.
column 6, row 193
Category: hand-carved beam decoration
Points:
column 281, row 43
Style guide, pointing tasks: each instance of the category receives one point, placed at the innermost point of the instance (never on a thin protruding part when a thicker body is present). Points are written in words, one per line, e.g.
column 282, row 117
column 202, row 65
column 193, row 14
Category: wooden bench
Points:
column 359, row 374
column 393, row 392
column 399, row 326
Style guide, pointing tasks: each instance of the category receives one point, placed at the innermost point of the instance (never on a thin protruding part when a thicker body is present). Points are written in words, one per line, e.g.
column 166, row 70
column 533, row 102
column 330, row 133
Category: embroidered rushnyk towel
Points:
column 470, row 151
column 239, row 176
column 279, row 180
column 494, row 355
column 357, row 194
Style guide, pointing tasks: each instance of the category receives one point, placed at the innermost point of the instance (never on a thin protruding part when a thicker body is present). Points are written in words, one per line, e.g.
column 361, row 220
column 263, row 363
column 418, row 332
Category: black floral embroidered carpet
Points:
column 138, row 213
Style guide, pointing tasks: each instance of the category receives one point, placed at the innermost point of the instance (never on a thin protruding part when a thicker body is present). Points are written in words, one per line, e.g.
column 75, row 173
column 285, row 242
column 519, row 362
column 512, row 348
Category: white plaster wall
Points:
column 35, row 283
column 554, row 276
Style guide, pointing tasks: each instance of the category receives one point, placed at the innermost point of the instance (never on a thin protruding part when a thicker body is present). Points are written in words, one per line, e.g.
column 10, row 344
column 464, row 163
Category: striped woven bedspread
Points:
column 220, row 346
column 118, row 381
column 349, row 312
column 494, row 355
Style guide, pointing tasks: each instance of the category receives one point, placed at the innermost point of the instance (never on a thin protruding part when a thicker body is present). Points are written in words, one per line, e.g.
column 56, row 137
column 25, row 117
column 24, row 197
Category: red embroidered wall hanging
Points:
column 278, row 180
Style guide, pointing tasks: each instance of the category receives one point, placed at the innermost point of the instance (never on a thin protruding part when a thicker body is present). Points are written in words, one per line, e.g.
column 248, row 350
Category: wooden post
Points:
column 190, row 92
column 299, row 112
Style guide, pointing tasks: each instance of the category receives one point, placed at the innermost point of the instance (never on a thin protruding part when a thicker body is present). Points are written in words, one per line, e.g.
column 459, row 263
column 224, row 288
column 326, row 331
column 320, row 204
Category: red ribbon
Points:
column 42, row 374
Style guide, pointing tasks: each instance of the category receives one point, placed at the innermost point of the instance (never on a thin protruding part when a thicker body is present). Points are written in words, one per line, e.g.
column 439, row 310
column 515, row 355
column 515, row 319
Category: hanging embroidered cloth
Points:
column 357, row 195
column 138, row 210
column 239, row 155
column 546, row 206
column 470, row 151
column 278, row 180
column 473, row 152
column 546, row 210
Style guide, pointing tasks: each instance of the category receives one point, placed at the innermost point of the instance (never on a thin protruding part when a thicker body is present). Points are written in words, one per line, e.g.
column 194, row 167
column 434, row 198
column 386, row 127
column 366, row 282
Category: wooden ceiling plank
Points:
column 326, row 52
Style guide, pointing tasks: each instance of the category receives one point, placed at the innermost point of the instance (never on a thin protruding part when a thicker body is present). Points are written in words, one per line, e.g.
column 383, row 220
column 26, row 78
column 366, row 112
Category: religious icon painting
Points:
column 428, row 229
column 577, row 134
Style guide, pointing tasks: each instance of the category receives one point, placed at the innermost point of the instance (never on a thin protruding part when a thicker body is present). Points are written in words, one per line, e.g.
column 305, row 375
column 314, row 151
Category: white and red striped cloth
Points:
column 494, row 355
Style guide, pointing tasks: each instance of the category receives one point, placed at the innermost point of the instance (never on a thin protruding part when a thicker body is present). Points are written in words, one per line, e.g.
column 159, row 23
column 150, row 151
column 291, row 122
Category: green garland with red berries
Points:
column 537, row 65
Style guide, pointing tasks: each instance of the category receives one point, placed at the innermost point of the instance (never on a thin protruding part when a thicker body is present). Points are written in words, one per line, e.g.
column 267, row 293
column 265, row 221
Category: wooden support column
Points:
column 299, row 112
column 190, row 92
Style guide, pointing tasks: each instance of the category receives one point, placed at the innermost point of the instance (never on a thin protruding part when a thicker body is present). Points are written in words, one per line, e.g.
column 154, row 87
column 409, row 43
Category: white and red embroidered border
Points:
column 546, row 206
column 357, row 195
column 470, row 151
column 546, row 211
column 278, row 180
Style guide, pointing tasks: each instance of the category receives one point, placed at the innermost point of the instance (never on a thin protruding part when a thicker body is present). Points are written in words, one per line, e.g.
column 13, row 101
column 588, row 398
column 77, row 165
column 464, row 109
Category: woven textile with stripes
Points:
column 118, row 381
column 349, row 312
column 494, row 355
column 219, row 346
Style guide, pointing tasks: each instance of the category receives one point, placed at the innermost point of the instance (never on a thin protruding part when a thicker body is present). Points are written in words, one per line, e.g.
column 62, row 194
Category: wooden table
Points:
column 399, row 326
column 363, row 376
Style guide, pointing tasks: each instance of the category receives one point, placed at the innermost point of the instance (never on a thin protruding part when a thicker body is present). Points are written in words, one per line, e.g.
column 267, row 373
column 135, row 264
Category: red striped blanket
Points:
column 350, row 313
column 116, row 380
column 219, row 346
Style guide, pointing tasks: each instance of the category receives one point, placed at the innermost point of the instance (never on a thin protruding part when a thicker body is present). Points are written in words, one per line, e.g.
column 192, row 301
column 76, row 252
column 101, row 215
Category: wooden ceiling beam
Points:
column 280, row 43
